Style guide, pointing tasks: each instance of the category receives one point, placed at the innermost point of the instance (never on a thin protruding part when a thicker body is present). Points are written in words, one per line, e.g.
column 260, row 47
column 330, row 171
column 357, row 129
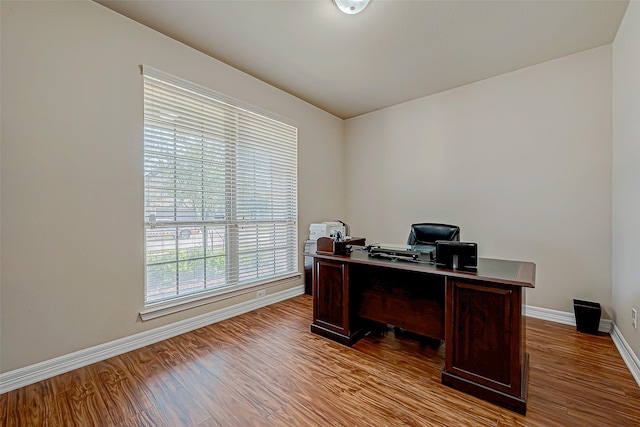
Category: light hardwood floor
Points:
column 265, row 368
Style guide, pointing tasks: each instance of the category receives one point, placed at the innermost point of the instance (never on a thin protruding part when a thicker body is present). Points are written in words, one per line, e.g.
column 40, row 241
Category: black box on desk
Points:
column 456, row 255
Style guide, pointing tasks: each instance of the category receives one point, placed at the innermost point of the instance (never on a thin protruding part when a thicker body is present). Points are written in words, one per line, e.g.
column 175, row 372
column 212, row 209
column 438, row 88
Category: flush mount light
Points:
column 351, row 7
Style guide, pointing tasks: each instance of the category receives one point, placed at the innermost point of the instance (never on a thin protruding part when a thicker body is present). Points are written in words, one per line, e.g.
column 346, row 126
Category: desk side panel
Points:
column 484, row 336
column 330, row 296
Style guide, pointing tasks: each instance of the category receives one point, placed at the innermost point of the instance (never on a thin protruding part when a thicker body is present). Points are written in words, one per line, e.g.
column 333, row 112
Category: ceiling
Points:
column 394, row 51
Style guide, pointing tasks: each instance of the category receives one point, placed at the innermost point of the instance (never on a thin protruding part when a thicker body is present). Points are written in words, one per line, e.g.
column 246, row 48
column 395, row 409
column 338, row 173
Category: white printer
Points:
column 327, row 229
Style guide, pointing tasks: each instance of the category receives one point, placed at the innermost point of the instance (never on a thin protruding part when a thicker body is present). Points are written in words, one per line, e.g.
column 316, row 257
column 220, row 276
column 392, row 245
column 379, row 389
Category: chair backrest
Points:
column 428, row 232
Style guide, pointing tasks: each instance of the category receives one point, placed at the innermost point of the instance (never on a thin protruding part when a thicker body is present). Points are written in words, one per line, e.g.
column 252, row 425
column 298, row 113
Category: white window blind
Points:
column 220, row 191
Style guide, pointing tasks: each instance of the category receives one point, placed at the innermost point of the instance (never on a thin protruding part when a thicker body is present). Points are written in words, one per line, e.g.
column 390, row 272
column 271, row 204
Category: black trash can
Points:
column 587, row 316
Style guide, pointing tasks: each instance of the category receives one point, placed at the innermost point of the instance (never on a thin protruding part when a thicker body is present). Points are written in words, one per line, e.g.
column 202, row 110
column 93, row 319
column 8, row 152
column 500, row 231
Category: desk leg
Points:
column 484, row 342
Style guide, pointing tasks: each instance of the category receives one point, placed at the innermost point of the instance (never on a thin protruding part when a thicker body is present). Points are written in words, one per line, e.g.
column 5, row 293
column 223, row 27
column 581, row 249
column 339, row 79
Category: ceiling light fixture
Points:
column 351, row 7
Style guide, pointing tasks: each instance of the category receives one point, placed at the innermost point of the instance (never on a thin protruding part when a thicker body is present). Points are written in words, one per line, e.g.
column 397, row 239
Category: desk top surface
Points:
column 518, row 273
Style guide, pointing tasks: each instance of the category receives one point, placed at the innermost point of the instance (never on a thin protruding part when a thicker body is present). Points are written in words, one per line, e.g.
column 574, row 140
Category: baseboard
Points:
column 49, row 368
column 627, row 353
column 563, row 317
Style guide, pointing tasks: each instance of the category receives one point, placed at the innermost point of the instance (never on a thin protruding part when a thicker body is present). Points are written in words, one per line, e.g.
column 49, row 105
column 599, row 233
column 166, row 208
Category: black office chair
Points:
column 427, row 233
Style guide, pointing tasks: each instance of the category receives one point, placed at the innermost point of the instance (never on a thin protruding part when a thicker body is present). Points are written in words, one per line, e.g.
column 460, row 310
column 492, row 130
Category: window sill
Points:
column 192, row 301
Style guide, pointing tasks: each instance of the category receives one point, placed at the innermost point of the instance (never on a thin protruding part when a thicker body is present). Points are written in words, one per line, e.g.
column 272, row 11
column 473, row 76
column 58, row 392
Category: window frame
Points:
column 232, row 250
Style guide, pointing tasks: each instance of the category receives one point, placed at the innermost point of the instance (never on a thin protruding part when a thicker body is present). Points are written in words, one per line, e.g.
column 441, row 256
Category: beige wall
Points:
column 522, row 162
column 626, row 174
column 71, row 172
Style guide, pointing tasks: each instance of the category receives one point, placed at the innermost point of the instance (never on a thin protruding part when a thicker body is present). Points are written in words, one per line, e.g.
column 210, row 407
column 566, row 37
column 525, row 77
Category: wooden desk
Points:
column 478, row 314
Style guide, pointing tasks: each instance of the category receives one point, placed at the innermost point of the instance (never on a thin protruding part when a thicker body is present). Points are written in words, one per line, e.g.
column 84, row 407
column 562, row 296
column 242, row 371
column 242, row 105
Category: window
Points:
column 220, row 192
